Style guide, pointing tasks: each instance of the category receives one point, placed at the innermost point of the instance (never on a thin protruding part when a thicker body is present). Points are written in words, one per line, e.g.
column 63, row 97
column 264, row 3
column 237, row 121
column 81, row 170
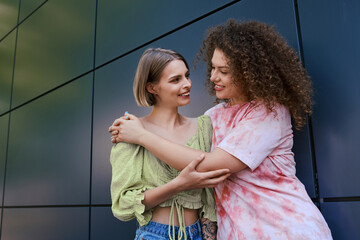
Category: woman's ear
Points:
column 150, row 88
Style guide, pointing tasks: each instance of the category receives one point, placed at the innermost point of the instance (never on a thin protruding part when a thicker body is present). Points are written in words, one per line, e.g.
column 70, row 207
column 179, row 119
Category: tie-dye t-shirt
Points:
column 265, row 200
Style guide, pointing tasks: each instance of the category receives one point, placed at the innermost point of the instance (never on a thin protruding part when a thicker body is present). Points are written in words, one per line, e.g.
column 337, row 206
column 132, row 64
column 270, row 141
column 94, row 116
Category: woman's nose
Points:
column 212, row 76
column 188, row 83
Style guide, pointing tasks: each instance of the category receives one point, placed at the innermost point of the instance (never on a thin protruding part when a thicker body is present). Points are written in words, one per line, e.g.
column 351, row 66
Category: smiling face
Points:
column 173, row 88
column 222, row 78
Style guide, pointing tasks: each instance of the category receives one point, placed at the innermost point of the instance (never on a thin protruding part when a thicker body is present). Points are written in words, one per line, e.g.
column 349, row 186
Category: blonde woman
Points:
column 145, row 188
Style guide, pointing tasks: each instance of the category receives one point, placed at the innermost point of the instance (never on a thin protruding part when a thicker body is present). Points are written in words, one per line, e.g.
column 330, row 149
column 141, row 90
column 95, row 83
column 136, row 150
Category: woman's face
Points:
column 173, row 88
column 222, row 78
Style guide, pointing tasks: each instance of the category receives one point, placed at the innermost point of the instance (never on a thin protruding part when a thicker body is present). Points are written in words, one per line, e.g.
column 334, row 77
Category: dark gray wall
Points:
column 66, row 70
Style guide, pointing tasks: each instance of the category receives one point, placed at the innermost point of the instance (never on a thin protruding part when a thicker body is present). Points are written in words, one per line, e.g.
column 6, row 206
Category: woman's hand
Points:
column 128, row 129
column 189, row 178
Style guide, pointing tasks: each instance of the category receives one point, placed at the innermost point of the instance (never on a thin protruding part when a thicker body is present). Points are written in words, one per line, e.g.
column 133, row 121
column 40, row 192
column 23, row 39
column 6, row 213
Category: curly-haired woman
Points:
column 262, row 84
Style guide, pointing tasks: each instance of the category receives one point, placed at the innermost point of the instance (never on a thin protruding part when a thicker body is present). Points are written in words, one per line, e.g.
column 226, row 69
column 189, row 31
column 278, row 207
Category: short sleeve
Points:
column 253, row 137
column 127, row 187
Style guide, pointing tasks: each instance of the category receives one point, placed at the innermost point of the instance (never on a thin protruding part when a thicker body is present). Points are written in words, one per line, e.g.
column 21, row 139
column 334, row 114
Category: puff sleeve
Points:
column 127, row 186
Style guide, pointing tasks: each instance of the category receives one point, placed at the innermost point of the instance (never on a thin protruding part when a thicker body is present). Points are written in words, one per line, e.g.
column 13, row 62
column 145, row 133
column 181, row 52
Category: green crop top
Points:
column 135, row 169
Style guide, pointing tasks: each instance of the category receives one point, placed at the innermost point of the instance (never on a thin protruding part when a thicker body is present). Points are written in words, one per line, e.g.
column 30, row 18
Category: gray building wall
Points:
column 66, row 71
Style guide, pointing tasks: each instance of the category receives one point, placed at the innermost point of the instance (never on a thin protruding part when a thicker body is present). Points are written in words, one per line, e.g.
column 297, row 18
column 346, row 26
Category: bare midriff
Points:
column 162, row 215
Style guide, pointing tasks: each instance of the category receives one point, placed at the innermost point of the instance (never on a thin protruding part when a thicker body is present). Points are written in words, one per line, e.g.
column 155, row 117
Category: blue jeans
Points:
column 159, row 231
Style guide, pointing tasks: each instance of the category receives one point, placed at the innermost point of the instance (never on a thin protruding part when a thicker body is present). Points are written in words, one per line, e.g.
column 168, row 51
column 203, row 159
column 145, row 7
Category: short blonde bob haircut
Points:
column 149, row 70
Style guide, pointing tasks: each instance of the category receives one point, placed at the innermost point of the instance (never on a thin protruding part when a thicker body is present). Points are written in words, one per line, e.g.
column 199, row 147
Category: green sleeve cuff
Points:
column 130, row 206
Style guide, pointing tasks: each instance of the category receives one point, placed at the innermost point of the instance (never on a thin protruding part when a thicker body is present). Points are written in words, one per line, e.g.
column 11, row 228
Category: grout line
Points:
column 309, row 119
column 327, row 199
column 19, row 23
column 57, row 206
column 9, row 122
column 92, row 117
column 45, row 93
column 170, row 32
column 341, row 199
column 313, row 158
column 124, row 54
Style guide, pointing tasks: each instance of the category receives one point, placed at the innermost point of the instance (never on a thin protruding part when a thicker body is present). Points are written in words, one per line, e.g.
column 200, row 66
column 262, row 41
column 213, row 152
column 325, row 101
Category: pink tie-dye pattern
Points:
column 266, row 200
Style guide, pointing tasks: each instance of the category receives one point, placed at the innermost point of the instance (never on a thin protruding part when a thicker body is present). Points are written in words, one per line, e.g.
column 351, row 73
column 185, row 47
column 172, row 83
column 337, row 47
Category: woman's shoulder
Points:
column 197, row 121
column 198, row 124
column 215, row 108
column 122, row 150
column 205, row 127
column 125, row 148
column 202, row 138
column 276, row 109
column 203, row 118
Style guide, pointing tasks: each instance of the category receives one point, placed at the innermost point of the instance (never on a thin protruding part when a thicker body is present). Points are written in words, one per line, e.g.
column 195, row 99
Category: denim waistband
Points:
column 163, row 229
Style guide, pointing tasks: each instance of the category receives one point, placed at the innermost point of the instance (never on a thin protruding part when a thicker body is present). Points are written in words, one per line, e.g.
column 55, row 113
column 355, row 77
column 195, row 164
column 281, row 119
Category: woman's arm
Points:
column 129, row 129
column 129, row 196
column 178, row 156
column 188, row 179
column 208, row 228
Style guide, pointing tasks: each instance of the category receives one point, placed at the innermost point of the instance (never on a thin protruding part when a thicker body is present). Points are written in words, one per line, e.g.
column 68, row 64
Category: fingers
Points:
column 194, row 163
column 128, row 116
column 216, row 173
column 115, row 139
column 112, row 129
column 220, row 179
column 116, row 122
column 114, row 133
column 215, row 181
column 115, row 128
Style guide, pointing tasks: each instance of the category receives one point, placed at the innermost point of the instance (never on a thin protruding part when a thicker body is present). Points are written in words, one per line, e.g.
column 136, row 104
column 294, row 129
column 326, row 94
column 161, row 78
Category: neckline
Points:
column 240, row 105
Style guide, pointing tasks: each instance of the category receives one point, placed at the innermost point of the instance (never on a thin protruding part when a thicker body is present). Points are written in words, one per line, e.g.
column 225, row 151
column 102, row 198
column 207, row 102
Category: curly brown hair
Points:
column 265, row 67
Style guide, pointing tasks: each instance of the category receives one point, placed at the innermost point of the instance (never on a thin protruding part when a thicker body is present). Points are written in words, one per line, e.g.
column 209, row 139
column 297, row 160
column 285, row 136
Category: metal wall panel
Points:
column 50, row 138
column 124, row 25
column 113, row 86
column 55, row 44
column 188, row 40
column 8, row 16
column 343, row 219
column 49, row 148
column 104, row 226
column 303, row 159
column 113, row 96
column 28, row 6
column 332, row 56
column 46, row 223
column 7, row 50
